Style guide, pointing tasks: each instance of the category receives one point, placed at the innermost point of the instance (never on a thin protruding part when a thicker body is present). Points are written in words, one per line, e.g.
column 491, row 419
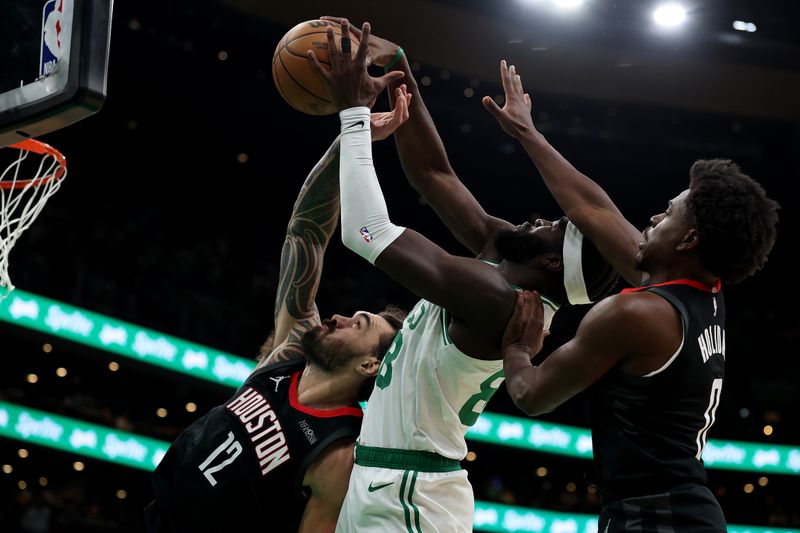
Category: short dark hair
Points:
column 395, row 317
column 733, row 217
column 598, row 274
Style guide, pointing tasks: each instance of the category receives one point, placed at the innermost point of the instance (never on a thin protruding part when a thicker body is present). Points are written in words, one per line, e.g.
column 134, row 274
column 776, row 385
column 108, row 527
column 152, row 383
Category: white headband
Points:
column 573, row 268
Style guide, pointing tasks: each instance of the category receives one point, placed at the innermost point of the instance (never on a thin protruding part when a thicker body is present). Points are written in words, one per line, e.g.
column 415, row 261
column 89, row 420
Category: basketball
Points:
column 294, row 76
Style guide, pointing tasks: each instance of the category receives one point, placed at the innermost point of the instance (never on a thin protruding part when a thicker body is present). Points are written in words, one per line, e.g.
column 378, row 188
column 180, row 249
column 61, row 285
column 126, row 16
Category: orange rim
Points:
column 38, row 147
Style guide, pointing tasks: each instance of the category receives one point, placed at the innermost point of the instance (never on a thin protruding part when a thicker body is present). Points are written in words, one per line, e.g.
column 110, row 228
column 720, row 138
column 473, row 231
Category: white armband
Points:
column 366, row 228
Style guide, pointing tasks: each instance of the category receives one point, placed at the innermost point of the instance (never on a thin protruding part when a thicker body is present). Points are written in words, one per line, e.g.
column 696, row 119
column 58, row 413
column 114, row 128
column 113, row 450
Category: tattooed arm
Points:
column 313, row 221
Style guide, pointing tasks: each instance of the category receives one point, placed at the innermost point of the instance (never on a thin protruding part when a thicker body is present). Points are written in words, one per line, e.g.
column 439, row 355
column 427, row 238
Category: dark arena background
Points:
column 146, row 286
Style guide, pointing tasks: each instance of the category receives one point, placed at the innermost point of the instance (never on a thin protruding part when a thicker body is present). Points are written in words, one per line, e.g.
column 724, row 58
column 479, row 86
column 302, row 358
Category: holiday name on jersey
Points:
column 255, row 413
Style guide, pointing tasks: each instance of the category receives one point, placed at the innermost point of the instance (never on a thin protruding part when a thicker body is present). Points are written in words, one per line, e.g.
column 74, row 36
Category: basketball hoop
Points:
column 22, row 198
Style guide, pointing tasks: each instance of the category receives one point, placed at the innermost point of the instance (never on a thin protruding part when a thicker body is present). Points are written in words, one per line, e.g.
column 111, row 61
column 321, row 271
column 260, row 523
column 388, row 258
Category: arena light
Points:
column 131, row 450
column 568, row 4
column 741, row 25
column 669, row 15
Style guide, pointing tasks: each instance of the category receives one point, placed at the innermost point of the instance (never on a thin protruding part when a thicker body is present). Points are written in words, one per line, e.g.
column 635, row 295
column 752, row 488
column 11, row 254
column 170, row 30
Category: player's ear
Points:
column 368, row 366
column 690, row 240
column 553, row 262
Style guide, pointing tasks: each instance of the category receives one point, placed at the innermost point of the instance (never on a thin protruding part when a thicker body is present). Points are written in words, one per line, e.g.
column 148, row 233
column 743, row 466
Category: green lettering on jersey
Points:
column 385, row 373
column 413, row 320
column 471, row 411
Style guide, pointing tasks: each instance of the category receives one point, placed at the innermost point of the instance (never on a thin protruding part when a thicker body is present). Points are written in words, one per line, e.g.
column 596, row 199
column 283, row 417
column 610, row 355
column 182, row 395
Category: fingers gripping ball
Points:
column 294, row 77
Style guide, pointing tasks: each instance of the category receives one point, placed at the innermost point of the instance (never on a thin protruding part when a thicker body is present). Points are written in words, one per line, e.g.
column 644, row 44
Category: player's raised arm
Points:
column 311, row 225
column 471, row 290
column 585, row 203
column 424, row 158
column 313, row 221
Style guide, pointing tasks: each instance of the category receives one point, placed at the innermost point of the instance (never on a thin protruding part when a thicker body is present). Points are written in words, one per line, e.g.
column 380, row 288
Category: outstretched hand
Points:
column 515, row 116
column 384, row 124
column 347, row 81
column 524, row 331
column 381, row 51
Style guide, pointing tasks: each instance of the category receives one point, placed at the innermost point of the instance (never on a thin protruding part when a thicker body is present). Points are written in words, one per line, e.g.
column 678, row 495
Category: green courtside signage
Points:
column 122, row 338
column 128, row 449
column 79, row 437
column 108, row 334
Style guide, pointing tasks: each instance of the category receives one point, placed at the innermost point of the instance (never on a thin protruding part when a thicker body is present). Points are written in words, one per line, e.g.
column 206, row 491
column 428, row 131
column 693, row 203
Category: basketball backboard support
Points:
column 53, row 64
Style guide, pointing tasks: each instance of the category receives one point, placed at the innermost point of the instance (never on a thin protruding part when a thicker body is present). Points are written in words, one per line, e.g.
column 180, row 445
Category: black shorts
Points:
column 154, row 521
column 685, row 509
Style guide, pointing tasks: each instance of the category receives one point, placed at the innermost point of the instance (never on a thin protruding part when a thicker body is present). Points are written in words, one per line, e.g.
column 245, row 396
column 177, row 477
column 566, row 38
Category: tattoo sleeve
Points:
column 313, row 222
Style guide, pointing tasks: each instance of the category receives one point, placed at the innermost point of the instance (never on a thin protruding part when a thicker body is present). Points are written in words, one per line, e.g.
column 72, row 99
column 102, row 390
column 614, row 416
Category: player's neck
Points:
column 669, row 274
column 322, row 390
column 525, row 277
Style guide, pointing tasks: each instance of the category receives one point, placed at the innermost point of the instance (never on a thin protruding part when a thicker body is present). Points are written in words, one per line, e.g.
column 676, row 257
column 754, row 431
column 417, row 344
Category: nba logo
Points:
column 52, row 13
column 366, row 234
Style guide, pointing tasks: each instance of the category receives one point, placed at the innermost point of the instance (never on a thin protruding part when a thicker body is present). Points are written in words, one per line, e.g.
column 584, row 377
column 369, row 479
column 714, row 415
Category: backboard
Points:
column 53, row 64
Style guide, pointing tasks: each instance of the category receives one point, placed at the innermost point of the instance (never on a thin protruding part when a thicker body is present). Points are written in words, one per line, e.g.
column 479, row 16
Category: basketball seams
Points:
column 276, row 75
column 294, row 78
column 307, row 34
column 286, row 43
column 288, row 73
column 300, row 56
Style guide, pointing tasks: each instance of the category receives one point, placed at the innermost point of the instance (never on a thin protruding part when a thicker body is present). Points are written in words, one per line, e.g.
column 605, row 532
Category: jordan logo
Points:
column 278, row 381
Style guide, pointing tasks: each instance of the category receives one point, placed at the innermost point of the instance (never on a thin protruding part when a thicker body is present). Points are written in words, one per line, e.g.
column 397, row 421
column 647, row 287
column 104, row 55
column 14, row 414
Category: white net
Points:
column 23, row 196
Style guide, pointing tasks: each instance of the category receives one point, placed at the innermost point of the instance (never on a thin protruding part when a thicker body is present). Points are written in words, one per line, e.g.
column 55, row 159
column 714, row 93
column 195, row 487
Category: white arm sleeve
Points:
column 366, row 228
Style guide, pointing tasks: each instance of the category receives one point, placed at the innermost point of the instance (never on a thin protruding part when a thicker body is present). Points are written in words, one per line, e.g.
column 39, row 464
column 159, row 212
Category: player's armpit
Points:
column 328, row 478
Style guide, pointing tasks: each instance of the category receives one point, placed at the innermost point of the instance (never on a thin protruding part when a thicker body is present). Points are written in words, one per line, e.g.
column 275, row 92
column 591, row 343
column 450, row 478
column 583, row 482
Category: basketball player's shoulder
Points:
column 280, row 367
column 635, row 303
column 632, row 313
column 492, row 274
column 291, row 364
column 338, row 455
column 635, row 323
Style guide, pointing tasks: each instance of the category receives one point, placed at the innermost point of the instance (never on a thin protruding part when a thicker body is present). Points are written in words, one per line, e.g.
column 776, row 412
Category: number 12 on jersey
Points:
column 231, row 447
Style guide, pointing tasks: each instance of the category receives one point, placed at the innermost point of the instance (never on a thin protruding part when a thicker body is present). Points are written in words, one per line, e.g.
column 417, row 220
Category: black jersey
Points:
column 241, row 466
column 649, row 432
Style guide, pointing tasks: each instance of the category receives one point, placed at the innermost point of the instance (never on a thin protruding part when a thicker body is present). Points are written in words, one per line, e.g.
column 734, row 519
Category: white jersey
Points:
column 428, row 393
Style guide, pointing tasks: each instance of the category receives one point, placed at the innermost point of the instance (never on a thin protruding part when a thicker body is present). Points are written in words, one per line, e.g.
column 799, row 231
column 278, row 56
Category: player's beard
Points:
column 519, row 245
column 327, row 354
column 641, row 261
